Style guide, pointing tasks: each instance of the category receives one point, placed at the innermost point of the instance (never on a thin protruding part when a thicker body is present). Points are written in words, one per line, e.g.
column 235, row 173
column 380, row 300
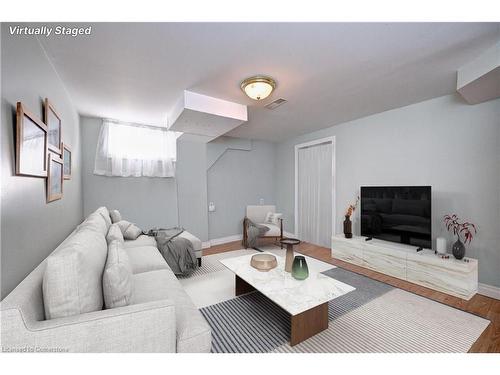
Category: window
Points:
column 135, row 150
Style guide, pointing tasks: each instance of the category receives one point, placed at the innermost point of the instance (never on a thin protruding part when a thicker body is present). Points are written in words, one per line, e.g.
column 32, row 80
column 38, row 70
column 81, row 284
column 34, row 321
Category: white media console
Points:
column 456, row 277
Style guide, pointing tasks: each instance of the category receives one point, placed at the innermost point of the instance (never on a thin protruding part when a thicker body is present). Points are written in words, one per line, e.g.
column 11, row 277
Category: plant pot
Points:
column 300, row 271
column 458, row 249
column 347, row 227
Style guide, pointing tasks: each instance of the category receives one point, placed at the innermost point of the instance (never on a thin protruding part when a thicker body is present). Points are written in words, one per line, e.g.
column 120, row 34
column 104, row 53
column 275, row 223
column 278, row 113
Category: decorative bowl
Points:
column 263, row 262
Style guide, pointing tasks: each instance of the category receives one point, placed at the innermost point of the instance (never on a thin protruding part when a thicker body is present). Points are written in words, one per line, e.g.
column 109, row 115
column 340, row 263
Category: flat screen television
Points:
column 397, row 213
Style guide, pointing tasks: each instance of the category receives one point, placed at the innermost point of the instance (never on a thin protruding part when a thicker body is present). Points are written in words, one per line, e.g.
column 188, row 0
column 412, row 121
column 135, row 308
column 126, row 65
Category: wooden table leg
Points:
column 289, row 258
column 308, row 323
column 242, row 287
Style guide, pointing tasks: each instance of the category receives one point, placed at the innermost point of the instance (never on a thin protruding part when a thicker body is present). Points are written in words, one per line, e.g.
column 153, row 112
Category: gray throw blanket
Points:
column 254, row 231
column 177, row 251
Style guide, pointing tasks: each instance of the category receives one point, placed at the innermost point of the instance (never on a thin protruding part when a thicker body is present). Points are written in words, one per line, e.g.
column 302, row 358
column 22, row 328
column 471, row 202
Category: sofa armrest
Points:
column 147, row 327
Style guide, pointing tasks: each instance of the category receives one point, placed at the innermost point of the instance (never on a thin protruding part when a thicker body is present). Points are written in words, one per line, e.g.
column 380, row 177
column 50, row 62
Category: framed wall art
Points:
column 54, row 128
column 31, row 144
column 55, row 173
column 66, row 156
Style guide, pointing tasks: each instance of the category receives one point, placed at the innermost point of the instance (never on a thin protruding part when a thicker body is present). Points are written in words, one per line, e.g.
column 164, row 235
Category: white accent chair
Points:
column 257, row 214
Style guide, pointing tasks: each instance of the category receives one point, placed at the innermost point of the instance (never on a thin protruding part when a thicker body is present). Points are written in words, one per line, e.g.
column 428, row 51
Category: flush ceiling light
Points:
column 258, row 87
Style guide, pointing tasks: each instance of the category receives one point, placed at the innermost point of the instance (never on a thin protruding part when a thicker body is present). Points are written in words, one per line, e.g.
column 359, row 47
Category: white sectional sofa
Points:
column 159, row 318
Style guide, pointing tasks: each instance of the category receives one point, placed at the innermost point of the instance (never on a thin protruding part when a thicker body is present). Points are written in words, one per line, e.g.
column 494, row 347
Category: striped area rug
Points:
column 376, row 317
column 210, row 265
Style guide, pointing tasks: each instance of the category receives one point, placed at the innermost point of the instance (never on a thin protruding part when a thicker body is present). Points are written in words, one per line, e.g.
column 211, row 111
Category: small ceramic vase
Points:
column 299, row 268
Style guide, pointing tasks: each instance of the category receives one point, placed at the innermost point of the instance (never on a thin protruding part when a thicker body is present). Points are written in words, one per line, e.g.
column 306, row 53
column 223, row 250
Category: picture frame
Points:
column 54, row 128
column 67, row 158
column 55, row 177
column 31, row 144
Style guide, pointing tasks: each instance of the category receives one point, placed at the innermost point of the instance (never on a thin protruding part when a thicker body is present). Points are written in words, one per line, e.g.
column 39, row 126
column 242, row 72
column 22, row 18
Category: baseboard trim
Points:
column 288, row 234
column 205, row 244
column 223, row 240
column 489, row 291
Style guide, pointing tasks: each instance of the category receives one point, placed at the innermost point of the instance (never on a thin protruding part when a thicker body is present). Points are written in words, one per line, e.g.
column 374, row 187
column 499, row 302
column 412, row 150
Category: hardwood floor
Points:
column 489, row 308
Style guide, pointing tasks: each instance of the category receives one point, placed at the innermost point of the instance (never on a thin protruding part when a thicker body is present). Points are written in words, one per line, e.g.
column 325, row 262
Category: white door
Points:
column 314, row 195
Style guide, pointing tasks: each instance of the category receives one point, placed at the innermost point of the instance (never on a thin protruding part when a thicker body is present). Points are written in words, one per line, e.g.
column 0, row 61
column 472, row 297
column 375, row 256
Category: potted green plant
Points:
column 465, row 229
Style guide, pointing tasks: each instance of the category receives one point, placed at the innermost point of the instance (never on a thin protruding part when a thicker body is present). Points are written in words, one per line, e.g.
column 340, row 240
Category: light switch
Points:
column 211, row 207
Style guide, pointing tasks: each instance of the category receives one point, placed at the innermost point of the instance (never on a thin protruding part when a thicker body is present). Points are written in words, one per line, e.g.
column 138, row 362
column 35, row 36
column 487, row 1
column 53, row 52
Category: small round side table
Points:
column 290, row 243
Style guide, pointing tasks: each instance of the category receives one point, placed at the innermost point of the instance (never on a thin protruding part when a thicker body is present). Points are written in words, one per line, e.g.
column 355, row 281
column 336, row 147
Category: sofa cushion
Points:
column 273, row 218
column 142, row 240
column 269, row 218
column 114, row 233
column 193, row 332
column 116, row 216
column 103, row 211
column 274, row 230
column 96, row 222
column 72, row 281
column 276, row 218
column 130, row 231
column 145, row 258
column 117, row 277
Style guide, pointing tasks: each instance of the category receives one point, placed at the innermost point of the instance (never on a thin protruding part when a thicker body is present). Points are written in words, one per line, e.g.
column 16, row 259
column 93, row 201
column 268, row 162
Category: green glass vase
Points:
column 299, row 268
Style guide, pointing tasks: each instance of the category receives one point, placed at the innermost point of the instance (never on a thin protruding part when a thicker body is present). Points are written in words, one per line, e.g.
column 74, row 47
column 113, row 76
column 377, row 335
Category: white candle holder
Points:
column 441, row 245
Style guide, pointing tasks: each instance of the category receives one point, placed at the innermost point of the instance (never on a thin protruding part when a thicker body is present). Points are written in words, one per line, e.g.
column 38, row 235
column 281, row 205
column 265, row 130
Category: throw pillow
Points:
column 103, row 211
column 114, row 233
column 96, row 222
column 130, row 231
column 72, row 280
column 276, row 218
column 269, row 218
column 117, row 277
column 115, row 216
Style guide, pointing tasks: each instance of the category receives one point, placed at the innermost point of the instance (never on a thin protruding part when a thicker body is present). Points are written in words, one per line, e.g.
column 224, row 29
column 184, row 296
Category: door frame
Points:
column 334, row 189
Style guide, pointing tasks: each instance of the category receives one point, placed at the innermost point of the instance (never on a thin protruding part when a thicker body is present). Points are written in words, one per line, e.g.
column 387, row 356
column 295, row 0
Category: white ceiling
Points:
column 329, row 73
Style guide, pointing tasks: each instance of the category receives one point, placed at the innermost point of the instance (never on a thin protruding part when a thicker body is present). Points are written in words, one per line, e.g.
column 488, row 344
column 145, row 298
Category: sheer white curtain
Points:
column 130, row 150
column 315, row 194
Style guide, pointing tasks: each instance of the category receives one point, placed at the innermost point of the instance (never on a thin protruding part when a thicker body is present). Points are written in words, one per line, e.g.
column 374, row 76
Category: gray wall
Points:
column 147, row 202
column 239, row 178
column 444, row 142
column 191, row 176
column 229, row 171
column 30, row 227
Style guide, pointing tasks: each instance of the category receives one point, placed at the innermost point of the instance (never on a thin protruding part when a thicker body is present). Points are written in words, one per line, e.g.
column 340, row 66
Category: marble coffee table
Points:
column 305, row 300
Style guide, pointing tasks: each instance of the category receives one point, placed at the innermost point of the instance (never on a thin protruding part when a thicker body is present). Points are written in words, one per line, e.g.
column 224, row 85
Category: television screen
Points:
column 397, row 213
